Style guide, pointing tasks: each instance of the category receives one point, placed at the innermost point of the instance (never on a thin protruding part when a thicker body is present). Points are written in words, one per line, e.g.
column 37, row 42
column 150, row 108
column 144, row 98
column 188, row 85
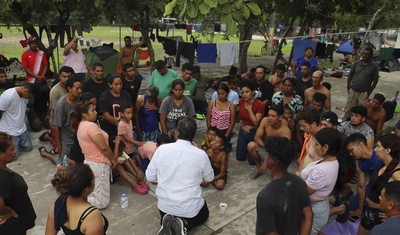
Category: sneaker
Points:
column 254, row 174
column 178, row 226
column 167, row 221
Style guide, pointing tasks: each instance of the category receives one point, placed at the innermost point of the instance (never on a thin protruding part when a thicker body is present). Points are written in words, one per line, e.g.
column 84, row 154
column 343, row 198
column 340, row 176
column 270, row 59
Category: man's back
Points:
column 179, row 169
column 13, row 107
column 280, row 206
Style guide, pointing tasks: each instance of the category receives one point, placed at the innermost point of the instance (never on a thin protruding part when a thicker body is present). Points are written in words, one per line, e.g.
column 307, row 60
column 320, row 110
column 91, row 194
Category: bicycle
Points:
column 264, row 48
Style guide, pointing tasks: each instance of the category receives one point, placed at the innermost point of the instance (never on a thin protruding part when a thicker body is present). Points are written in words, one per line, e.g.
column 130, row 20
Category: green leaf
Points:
column 183, row 9
column 211, row 3
column 204, row 8
column 169, row 7
column 254, row 8
column 238, row 18
column 232, row 28
column 222, row 1
column 246, row 12
column 192, row 10
column 239, row 4
column 226, row 18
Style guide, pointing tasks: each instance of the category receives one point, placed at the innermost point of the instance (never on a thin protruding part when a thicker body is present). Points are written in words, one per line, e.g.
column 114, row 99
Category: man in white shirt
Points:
column 12, row 115
column 179, row 168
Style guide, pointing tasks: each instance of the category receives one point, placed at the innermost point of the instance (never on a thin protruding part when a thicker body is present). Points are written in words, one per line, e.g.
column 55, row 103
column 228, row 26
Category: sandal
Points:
column 42, row 137
column 53, row 151
column 40, row 150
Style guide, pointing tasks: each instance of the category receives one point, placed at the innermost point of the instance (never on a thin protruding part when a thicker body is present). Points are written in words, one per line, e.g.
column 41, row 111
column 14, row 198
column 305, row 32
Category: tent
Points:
column 346, row 47
column 104, row 55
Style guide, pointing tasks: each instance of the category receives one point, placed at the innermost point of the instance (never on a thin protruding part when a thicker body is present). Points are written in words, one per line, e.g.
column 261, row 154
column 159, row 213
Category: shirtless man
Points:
column 276, row 79
column 127, row 53
column 317, row 79
column 309, row 119
column 270, row 126
column 376, row 114
column 219, row 162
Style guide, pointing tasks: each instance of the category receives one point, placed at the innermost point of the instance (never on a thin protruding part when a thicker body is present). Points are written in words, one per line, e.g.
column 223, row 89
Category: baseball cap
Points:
column 31, row 39
column 330, row 117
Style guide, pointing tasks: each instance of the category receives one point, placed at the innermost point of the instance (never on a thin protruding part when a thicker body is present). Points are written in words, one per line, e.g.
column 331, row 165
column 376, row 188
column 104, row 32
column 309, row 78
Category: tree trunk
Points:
column 281, row 45
column 144, row 29
column 371, row 24
column 246, row 33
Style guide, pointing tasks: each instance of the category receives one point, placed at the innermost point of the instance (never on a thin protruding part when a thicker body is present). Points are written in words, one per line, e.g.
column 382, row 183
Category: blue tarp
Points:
column 300, row 47
column 345, row 48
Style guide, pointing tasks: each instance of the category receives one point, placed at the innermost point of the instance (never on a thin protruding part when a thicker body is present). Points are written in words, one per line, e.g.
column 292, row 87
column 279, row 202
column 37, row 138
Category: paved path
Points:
column 142, row 216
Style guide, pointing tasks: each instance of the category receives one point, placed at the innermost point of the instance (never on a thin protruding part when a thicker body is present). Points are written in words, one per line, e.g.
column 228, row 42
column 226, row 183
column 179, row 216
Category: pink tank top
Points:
column 220, row 119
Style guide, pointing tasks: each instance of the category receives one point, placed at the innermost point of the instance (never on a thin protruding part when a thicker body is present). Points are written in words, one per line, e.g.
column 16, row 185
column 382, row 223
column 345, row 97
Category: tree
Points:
column 232, row 13
column 42, row 12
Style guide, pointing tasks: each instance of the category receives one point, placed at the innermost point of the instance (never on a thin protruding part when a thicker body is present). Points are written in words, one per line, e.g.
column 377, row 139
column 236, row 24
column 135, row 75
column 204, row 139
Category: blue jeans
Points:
column 241, row 148
column 22, row 142
column 321, row 215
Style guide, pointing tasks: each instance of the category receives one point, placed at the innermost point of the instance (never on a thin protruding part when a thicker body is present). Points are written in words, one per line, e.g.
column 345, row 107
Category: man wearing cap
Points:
column 34, row 62
column 12, row 115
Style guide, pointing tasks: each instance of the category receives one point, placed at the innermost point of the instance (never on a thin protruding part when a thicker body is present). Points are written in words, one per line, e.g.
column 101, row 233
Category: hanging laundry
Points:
column 186, row 50
column 197, row 28
column 223, row 27
column 228, row 53
column 206, row 53
column 170, row 46
column 217, row 27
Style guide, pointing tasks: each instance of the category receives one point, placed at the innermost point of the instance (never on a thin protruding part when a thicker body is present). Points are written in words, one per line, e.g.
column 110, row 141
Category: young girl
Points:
column 125, row 131
column 208, row 138
column 125, row 163
column 288, row 116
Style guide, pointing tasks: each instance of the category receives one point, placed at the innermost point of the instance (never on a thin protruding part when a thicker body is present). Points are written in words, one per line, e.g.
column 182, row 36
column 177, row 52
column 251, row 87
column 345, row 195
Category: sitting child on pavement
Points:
column 125, row 163
column 208, row 138
column 146, row 151
column 219, row 162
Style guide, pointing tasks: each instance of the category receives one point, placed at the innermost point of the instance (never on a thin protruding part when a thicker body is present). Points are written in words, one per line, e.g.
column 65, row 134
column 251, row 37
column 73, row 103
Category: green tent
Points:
column 105, row 55
column 287, row 48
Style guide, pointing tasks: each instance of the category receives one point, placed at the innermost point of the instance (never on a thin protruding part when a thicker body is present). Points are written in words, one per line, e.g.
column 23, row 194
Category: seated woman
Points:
column 146, row 115
column 174, row 106
column 71, row 211
column 320, row 176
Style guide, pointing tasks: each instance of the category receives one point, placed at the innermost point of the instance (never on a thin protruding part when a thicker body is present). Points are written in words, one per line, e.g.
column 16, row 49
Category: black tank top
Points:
column 377, row 186
column 77, row 231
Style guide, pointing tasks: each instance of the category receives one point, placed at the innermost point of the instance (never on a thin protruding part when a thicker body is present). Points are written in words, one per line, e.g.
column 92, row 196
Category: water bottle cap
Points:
column 123, row 195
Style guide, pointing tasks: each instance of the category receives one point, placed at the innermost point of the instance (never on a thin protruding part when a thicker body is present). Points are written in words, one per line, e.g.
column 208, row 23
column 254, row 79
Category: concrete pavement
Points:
column 142, row 216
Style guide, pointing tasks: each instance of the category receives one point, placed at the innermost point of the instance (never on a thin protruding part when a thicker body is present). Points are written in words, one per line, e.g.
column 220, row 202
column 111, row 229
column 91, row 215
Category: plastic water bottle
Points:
column 124, row 203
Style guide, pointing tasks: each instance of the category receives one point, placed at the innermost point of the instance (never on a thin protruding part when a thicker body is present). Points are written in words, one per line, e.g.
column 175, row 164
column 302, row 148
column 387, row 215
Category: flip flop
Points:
column 200, row 116
column 53, row 152
column 40, row 152
column 42, row 136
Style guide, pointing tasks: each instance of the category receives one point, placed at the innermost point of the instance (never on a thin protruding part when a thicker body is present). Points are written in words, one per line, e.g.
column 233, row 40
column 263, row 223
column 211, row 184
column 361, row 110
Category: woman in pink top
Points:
column 321, row 176
column 221, row 113
column 95, row 148
column 75, row 59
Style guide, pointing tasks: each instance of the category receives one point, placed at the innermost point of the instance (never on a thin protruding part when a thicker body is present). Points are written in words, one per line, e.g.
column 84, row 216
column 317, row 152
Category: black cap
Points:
column 330, row 117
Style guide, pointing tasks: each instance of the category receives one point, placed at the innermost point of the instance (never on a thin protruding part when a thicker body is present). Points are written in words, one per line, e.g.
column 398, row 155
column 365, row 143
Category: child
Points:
column 219, row 162
column 288, row 116
column 126, row 163
column 235, row 86
column 147, row 150
column 125, row 131
column 207, row 138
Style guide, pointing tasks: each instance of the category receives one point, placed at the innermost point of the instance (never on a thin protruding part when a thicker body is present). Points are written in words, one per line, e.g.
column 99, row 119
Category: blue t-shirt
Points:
column 313, row 63
column 370, row 166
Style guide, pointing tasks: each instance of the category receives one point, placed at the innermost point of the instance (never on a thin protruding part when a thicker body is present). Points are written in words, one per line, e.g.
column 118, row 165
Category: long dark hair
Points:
column 76, row 114
column 73, row 180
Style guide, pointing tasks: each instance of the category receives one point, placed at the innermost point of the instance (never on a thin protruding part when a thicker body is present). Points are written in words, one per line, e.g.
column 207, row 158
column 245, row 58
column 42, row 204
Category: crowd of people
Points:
column 101, row 128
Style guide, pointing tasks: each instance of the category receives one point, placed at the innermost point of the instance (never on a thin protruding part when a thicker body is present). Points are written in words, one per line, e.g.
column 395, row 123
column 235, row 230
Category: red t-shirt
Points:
column 35, row 62
column 257, row 107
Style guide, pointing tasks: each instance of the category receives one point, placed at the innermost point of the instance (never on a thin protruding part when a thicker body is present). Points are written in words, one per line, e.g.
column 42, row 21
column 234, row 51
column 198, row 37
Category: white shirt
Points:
column 233, row 97
column 179, row 169
column 13, row 106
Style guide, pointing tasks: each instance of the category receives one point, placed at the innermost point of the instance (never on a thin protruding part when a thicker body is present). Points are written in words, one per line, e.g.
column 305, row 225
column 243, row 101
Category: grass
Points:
column 11, row 47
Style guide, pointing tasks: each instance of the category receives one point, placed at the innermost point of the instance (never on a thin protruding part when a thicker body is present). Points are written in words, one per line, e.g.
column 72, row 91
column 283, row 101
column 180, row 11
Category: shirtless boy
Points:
column 376, row 114
column 276, row 79
column 317, row 86
column 127, row 53
column 219, row 162
column 269, row 126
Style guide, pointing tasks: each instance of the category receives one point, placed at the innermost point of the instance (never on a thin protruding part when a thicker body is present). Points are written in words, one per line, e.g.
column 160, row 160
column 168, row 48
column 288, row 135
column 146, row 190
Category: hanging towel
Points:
column 170, row 46
column 186, row 50
column 189, row 29
column 207, row 53
column 228, row 53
